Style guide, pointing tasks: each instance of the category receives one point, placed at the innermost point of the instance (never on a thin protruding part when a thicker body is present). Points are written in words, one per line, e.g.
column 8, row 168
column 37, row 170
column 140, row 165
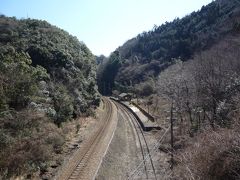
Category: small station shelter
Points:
column 125, row 97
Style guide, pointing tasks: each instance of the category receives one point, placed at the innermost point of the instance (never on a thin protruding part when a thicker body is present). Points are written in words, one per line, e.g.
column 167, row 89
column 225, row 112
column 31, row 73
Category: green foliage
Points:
column 181, row 38
column 5, row 139
column 100, row 59
column 58, row 58
column 107, row 73
column 46, row 77
column 18, row 80
column 63, row 105
column 146, row 89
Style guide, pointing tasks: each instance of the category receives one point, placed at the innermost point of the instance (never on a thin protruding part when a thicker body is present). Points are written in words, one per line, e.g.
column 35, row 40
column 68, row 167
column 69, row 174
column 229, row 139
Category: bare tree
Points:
column 175, row 84
column 217, row 82
column 204, row 88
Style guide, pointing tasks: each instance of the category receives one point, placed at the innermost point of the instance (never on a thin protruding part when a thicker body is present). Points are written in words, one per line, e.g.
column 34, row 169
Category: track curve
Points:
column 144, row 149
column 77, row 166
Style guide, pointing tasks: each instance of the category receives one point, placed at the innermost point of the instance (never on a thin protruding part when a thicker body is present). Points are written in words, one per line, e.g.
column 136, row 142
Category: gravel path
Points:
column 85, row 162
column 122, row 154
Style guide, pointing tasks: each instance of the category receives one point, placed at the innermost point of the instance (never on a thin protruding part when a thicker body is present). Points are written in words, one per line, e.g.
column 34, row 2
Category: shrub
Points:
column 28, row 140
column 63, row 104
column 55, row 140
column 145, row 89
column 18, row 80
column 215, row 155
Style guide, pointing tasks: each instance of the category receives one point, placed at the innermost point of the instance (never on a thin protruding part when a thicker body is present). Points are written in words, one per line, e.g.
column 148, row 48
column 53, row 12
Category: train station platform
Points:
column 146, row 123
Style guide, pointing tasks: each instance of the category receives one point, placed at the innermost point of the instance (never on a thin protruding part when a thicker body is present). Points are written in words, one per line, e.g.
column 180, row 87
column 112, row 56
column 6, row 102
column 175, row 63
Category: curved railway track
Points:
column 148, row 167
column 76, row 167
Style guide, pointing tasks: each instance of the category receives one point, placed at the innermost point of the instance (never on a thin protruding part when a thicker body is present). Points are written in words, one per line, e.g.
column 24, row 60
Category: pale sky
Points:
column 102, row 25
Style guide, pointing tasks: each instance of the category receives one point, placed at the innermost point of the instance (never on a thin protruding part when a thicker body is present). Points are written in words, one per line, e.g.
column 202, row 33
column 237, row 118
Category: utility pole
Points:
column 137, row 98
column 104, row 88
column 171, row 121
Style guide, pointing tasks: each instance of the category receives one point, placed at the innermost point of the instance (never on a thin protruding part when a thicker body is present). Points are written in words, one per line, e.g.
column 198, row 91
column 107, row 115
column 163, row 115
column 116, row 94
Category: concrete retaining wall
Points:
column 150, row 117
column 149, row 128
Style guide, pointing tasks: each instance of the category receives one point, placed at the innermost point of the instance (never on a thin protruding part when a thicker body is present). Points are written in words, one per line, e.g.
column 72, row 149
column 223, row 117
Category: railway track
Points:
column 148, row 167
column 77, row 166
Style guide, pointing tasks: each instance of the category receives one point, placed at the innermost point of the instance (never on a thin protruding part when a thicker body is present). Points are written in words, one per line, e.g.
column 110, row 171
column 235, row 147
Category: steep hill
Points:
column 68, row 62
column 46, row 78
column 150, row 52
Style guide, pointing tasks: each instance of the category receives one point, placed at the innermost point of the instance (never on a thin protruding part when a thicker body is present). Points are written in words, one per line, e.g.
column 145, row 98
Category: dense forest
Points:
column 145, row 56
column 46, row 78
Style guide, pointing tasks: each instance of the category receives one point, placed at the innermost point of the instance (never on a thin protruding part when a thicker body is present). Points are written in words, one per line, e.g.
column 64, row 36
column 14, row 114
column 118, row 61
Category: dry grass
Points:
column 29, row 140
column 213, row 155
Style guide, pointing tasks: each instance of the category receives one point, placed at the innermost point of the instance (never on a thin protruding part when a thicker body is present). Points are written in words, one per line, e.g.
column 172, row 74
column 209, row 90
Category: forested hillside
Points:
column 46, row 77
column 204, row 93
column 145, row 56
